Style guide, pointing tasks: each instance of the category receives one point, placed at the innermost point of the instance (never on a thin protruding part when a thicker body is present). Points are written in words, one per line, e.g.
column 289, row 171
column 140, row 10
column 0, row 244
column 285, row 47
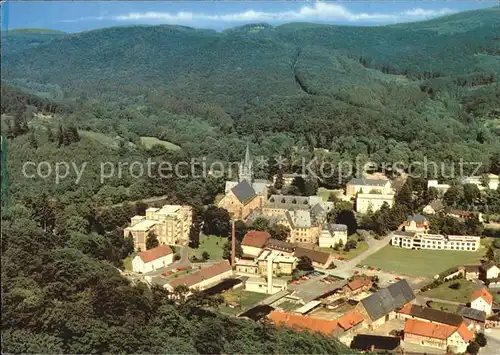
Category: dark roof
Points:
column 315, row 256
column 403, row 233
column 487, row 265
column 244, row 192
column 436, row 315
column 471, row 313
column 437, row 205
column 388, row 299
column 417, row 218
column 365, row 342
column 336, row 227
column 471, row 268
column 279, row 245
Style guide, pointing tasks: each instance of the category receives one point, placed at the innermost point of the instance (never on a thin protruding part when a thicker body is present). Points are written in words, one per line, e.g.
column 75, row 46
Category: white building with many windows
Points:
column 411, row 240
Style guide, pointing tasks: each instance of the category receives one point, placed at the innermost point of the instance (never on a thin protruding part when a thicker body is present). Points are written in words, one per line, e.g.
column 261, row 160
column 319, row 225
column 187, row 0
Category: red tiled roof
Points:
column 255, row 239
column 359, row 283
column 325, row 326
column 484, row 294
column 155, row 253
column 427, row 329
column 349, row 320
column 204, row 274
column 406, row 309
column 465, row 333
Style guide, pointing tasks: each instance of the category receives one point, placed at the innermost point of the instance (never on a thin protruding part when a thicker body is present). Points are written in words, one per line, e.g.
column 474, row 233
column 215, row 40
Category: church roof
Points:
column 244, row 192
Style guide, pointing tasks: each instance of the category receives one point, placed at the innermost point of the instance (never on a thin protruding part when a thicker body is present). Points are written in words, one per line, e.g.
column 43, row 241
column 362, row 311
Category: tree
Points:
column 280, row 232
column 216, row 222
column 128, row 245
column 260, row 224
column 473, row 348
column 279, row 181
column 351, row 244
column 32, row 140
column 454, row 195
column 471, row 194
column 240, row 229
column 151, row 240
column 304, row 264
column 455, row 286
column 481, row 340
column 348, row 218
column 226, row 252
column 205, row 256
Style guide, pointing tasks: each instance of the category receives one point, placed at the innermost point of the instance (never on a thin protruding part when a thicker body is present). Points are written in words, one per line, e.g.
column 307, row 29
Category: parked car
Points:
column 296, row 282
column 397, row 278
column 304, row 278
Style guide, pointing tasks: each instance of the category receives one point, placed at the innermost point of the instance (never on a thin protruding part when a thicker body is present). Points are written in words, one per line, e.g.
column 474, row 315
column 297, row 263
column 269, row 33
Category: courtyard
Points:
column 462, row 294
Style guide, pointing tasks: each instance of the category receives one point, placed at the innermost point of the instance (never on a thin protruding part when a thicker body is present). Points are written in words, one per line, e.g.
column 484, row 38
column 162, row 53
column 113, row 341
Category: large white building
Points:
column 332, row 234
column 372, row 202
column 411, row 240
column 153, row 259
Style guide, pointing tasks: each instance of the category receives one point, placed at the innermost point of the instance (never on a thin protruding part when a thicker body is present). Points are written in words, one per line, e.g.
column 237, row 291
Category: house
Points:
column 382, row 306
column 483, row 183
column 171, row 224
column 372, row 202
column 319, row 259
column 246, row 195
column 411, row 240
column 357, row 286
column 474, row 318
column 434, row 207
column 153, row 259
column 494, row 282
column 463, row 215
column 260, row 285
column 416, row 223
column 426, row 314
column 368, row 186
column 489, row 271
column 441, row 188
column 376, row 343
column 204, row 278
column 350, row 323
column 254, row 242
column 471, row 272
column 333, row 234
column 278, row 245
column 482, row 300
column 246, row 266
column 324, row 326
column 437, row 335
column 493, row 321
column 282, row 265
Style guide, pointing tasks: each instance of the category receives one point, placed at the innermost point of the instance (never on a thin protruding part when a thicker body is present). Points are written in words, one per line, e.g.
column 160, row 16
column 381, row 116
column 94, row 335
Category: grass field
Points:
column 150, row 141
column 212, row 245
column 444, row 292
column 99, row 137
column 360, row 248
column 245, row 299
column 446, row 307
column 421, row 262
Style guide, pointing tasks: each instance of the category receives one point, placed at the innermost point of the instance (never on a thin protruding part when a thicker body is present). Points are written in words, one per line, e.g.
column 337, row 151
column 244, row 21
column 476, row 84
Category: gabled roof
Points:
column 430, row 330
column 257, row 239
column 279, row 245
column 336, row 227
column 465, row 333
column 349, row 320
column 365, row 342
column 437, row 205
column 484, row 294
column 471, row 268
column 433, row 315
column 471, row 313
column 204, row 274
column 388, row 299
column 315, row 256
column 244, row 192
column 417, row 218
column 155, row 253
column 488, row 265
column 324, row 326
column 359, row 283
column 368, row 182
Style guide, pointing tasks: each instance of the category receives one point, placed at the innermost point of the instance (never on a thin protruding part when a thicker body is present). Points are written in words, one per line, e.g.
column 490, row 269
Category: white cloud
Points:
column 320, row 11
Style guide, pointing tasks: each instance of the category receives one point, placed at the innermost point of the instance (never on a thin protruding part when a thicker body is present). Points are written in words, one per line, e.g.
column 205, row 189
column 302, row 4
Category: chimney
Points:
column 233, row 244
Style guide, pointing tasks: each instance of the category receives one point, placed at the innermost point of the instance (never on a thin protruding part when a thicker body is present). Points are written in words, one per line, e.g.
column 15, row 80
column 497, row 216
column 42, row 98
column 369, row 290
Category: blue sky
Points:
column 79, row 16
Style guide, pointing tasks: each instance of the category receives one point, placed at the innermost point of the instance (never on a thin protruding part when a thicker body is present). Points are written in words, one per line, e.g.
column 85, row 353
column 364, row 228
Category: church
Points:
column 246, row 195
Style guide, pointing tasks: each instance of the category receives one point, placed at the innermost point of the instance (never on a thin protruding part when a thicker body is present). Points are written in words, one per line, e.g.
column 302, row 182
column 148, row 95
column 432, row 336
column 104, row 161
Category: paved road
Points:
column 493, row 345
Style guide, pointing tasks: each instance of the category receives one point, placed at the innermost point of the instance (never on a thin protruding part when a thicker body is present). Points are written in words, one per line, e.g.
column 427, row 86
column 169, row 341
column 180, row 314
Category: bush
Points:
column 473, row 348
column 481, row 340
column 455, row 286
column 177, row 257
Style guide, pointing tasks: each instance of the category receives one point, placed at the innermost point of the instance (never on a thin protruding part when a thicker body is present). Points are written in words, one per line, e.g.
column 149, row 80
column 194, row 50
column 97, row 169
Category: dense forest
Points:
column 387, row 94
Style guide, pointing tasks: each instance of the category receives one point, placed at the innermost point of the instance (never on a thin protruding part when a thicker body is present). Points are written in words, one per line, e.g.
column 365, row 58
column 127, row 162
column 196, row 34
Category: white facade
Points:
column 138, row 265
column 442, row 188
column 328, row 239
column 481, row 305
column 493, row 272
column 491, row 181
column 373, row 202
column 251, row 251
column 260, row 285
column 436, row 241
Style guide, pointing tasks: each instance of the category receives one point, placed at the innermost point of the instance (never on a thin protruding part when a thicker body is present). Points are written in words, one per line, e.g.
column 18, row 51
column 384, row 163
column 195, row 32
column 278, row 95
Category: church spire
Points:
column 245, row 171
column 247, row 157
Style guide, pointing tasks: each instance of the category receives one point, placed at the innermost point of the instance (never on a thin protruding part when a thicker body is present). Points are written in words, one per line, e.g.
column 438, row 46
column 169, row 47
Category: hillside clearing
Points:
column 151, row 141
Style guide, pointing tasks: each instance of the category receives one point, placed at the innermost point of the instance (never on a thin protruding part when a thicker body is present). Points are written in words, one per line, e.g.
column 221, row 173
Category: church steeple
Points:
column 245, row 171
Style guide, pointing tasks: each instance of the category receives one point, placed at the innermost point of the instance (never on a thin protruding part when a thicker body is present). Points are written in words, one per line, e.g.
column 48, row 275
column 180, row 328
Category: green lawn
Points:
column 212, row 245
column 421, row 262
column 446, row 307
column 127, row 262
column 444, row 292
column 324, row 193
column 360, row 248
column 150, row 141
column 245, row 299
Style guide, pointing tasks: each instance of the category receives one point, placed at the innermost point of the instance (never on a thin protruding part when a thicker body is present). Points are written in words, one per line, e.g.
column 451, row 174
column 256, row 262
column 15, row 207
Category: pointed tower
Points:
column 245, row 171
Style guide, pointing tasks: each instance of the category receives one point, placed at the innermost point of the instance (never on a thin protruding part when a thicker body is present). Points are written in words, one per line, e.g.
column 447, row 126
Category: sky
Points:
column 74, row 16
